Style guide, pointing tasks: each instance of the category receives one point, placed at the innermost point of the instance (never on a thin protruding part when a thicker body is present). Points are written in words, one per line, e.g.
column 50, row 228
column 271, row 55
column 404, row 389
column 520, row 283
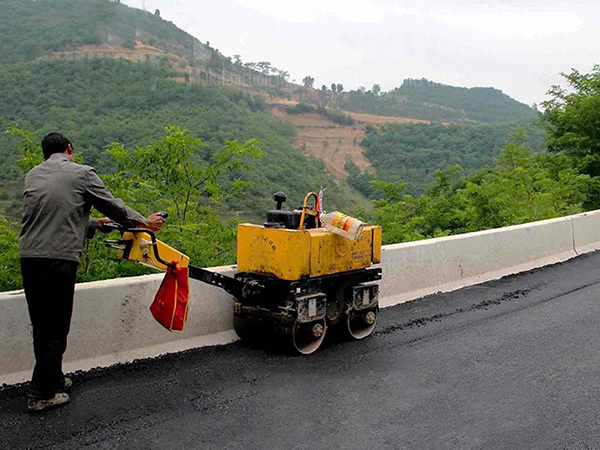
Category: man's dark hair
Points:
column 54, row 143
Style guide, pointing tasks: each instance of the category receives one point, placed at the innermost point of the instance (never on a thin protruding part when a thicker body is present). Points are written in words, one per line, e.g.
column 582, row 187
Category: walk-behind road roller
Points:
column 296, row 280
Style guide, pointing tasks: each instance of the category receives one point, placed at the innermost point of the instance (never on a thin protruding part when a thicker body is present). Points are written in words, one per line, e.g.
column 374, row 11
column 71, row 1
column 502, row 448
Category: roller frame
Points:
column 277, row 307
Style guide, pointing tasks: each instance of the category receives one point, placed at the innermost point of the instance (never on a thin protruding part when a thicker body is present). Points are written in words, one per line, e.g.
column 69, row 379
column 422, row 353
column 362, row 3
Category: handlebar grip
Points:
column 163, row 214
column 113, row 226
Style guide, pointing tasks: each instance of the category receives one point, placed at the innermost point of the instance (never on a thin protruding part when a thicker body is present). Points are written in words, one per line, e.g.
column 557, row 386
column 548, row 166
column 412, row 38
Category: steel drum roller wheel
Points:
column 360, row 324
column 307, row 337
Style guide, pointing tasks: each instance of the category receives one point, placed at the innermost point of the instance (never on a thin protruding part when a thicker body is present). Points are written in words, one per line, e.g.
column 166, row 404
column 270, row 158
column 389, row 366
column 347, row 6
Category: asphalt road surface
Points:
column 511, row 364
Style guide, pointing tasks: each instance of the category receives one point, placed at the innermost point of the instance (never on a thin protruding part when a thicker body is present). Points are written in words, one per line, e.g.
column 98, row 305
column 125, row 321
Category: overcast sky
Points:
column 518, row 46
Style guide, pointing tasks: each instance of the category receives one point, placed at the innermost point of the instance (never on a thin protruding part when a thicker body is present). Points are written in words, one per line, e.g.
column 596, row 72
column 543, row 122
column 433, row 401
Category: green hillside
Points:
column 30, row 28
column 411, row 153
column 104, row 101
column 423, row 99
column 68, row 29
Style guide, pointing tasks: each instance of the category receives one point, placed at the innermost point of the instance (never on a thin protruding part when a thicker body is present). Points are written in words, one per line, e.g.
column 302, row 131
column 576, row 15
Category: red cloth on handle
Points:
column 170, row 304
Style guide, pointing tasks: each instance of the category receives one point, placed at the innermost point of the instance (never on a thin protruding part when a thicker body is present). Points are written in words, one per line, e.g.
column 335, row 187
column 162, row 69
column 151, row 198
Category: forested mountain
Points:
column 423, row 99
column 30, row 28
column 81, row 29
column 411, row 153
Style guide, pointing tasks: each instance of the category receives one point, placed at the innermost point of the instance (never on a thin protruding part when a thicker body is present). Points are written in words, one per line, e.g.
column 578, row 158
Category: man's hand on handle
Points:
column 155, row 221
column 103, row 221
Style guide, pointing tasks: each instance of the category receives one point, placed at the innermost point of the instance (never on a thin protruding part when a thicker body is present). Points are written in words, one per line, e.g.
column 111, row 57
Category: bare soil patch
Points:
column 333, row 143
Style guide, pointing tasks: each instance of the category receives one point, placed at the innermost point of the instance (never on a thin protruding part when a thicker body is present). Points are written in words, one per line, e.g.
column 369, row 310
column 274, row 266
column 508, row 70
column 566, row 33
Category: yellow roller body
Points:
column 294, row 254
column 143, row 253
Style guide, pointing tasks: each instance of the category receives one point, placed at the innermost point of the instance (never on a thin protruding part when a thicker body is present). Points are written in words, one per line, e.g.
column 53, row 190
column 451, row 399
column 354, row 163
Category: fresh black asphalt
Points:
column 510, row 364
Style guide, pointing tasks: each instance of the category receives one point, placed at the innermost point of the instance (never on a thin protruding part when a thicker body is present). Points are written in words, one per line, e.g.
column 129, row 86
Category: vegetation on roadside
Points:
column 177, row 173
column 10, row 267
column 520, row 186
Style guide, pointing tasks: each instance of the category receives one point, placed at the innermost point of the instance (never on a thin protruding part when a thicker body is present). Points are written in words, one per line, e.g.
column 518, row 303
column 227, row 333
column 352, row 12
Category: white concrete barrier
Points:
column 415, row 269
column 586, row 231
column 111, row 321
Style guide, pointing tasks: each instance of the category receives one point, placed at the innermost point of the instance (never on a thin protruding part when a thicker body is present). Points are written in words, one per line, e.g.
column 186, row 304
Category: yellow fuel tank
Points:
column 294, row 254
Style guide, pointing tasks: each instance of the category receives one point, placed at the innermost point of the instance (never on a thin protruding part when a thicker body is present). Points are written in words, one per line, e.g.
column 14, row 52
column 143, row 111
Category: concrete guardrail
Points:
column 112, row 324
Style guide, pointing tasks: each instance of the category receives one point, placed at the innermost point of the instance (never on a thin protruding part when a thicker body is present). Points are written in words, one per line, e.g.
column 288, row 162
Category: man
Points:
column 58, row 197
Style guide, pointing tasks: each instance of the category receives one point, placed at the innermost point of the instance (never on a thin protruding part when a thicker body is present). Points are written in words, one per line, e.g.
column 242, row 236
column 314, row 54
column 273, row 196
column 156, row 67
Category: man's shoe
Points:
column 68, row 383
column 36, row 404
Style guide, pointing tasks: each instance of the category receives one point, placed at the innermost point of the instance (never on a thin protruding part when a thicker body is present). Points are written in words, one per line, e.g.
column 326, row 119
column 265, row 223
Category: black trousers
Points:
column 49, row 288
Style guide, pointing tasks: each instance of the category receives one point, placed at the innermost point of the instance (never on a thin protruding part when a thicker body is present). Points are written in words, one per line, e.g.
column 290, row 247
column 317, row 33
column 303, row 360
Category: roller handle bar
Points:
column 231, row 285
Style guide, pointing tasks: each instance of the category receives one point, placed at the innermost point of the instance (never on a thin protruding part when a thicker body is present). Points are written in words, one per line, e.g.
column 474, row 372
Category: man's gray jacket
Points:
column 57, row 200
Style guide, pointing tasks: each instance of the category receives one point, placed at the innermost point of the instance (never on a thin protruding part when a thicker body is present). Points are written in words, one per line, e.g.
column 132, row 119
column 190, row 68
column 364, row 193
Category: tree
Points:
column 10, row 273
column 29, row 149
column 308, row 81
column 340, row 88
column 164, row 173
column 324, row 88
column 572, row 120
column 157, row 13
column 333, row 87
column 572, row 117
column 264, row 67
column 180, row 175
column 376, row 89
column 216, row 61
column 283, row 74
